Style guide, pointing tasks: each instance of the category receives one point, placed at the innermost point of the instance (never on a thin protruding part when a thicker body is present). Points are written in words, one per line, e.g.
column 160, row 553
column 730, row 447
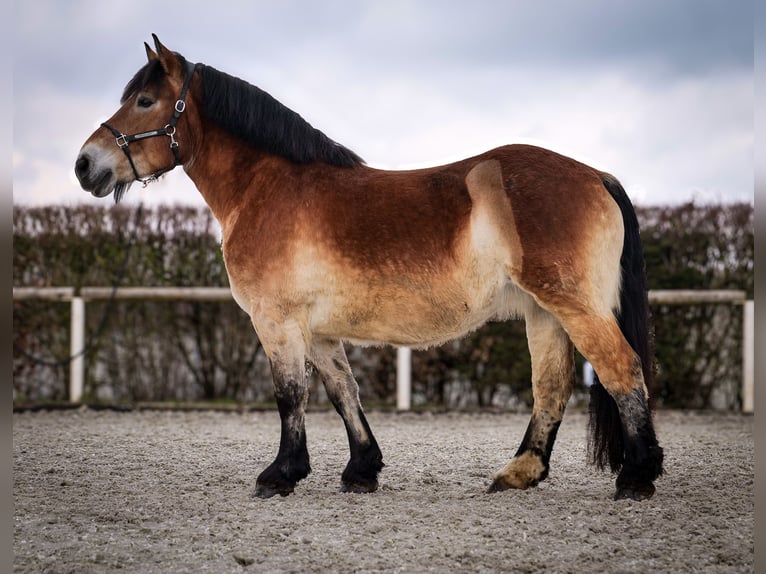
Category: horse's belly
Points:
column 413, row 317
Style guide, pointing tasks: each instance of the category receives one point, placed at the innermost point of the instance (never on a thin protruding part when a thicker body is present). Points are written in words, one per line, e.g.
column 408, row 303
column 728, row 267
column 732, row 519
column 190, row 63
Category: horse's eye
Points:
column 144, row 102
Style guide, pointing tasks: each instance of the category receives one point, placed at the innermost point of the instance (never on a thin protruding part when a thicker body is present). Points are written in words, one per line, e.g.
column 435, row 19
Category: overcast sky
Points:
column 657, row 92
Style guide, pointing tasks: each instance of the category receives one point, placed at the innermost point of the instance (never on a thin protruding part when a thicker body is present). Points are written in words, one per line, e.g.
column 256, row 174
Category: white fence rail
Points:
column 403, row 371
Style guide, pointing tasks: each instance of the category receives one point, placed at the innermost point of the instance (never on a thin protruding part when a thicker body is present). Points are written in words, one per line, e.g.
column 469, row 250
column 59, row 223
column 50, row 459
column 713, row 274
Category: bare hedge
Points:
column 160, row 351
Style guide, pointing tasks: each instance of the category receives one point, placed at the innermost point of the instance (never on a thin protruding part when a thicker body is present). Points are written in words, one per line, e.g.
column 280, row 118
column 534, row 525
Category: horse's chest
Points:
column 239, row 288
column 240, row 298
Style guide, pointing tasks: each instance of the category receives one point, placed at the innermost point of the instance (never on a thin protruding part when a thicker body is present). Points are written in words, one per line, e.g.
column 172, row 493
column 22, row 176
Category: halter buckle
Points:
column 122, row 140
column 180, row 106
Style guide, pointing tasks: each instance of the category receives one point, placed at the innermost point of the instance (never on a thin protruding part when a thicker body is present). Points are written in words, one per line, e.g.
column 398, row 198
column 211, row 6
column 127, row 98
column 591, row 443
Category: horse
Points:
column 321, row 249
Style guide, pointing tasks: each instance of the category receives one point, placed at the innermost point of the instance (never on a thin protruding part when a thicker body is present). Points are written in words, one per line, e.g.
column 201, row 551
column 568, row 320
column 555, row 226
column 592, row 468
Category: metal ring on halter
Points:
column 170, row 132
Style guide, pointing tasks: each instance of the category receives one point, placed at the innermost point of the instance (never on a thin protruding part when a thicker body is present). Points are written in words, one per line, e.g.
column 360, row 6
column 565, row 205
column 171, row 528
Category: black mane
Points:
column 258, row 119
column 252, row 115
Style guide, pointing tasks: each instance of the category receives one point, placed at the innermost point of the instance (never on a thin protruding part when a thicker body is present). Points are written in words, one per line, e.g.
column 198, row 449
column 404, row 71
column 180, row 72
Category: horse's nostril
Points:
column 82, row 166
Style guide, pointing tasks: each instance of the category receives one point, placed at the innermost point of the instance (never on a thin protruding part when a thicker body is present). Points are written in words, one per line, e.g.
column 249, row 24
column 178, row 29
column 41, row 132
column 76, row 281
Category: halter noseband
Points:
column 169, row 130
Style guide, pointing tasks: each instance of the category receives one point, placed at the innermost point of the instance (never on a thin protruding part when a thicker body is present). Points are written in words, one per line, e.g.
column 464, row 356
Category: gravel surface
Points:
column 169, row 491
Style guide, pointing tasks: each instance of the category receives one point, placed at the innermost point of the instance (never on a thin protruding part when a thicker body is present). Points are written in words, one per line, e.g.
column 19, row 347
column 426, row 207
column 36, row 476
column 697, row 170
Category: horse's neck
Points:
column 223, row 170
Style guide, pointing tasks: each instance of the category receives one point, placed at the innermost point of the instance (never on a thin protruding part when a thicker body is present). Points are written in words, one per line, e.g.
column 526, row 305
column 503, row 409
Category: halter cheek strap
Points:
column 123, row 141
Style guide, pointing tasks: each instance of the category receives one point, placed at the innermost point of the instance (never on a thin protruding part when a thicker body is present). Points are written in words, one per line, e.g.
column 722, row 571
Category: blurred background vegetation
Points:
column 192, row 351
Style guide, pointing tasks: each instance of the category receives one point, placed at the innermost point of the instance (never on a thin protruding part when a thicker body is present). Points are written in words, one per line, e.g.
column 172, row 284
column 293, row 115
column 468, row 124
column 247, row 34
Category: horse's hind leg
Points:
column 361, row 472
column 552, row 356
column 284, row 344
column 630, row 446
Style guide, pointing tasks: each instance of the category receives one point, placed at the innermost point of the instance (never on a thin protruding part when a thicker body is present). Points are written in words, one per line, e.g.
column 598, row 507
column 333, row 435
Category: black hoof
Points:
column 267, row 491
column 280, row 477
column 497, row 486
column 361, row 474
column 359, row 488
column 634, row 491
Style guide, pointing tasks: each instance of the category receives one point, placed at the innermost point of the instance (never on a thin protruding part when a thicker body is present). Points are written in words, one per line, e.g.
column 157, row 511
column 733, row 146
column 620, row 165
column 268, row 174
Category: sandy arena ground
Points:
column 169, row 491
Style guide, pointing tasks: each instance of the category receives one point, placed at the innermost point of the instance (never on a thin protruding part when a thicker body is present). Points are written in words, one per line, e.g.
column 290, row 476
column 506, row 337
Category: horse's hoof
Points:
column 267, row 491
column 498, row 486
column 358, row 488
column 634, row 491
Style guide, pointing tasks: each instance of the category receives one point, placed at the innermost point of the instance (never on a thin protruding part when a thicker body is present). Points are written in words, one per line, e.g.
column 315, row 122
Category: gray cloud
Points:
column 656, row 91
column 683, row 36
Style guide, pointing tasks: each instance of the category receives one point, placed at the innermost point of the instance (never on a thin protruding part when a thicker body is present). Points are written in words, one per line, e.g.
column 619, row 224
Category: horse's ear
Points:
column 158, row 45
column 150, row 54
column 167, row 58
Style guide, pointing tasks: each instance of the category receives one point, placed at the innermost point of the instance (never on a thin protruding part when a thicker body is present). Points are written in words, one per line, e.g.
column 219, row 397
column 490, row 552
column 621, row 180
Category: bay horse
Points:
column 321, row 248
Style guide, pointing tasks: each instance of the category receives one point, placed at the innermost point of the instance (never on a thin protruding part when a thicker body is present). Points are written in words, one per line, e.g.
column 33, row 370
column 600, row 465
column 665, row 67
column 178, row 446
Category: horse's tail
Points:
column 606, row 445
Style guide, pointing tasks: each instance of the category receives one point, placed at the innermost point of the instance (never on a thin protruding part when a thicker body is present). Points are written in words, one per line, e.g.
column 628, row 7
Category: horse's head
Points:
column 146, row 136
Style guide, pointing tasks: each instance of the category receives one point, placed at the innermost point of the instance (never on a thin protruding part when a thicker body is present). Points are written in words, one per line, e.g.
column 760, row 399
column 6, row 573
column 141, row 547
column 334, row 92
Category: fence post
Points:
column 403, row 378
column 77, row 343
column 748, row 357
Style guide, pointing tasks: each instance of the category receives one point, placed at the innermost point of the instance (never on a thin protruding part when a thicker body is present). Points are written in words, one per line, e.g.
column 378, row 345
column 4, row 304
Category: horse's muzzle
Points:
column 97, row 182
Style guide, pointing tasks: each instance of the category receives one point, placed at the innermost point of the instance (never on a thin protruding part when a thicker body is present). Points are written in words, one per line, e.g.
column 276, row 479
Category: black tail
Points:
column 606, row 445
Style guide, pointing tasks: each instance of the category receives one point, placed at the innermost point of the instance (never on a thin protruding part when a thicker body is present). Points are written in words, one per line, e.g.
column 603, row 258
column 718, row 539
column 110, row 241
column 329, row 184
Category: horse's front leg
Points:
column 361, row 472
column 285, row 346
